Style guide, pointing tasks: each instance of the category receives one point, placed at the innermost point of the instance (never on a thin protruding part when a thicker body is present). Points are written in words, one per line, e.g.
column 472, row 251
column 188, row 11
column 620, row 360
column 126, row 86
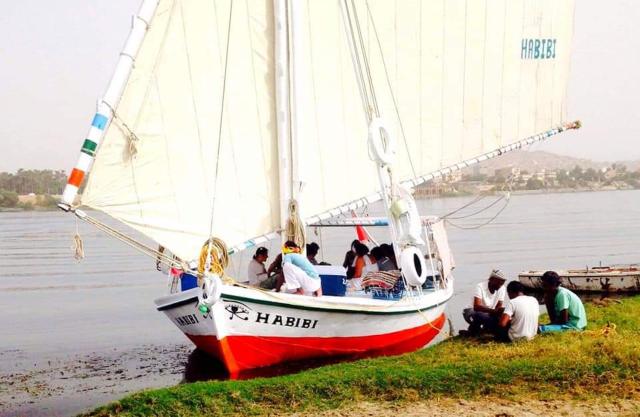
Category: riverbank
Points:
column 593, row 368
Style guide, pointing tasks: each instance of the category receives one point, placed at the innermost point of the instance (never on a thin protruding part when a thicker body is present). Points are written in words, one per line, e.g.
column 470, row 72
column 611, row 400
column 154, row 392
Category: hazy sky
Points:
column 55, row 62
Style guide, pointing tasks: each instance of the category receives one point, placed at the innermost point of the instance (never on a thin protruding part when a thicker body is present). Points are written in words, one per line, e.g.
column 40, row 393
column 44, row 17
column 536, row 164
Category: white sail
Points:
column 172, row 105
column 467, row 76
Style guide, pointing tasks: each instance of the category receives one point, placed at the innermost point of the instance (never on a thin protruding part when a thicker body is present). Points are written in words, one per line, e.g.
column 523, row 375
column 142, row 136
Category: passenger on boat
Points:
column 565, row 309
column 487, row 307
column 312, row 252
column 256, row 270
column 520, row 317
column 299, row 274
column 381, row 259
column 275, row 272
column 362, row 262
column 388, row 251
column 433, row 270
column 350, row 255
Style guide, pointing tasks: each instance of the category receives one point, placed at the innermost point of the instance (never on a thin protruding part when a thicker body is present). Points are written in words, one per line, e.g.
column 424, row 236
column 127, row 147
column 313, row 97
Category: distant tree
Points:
column 46, row 201
column 8, row 198
column 590, row 175
column 562, row 176
column 534, row 184
column 44, row 181
column 576, row 173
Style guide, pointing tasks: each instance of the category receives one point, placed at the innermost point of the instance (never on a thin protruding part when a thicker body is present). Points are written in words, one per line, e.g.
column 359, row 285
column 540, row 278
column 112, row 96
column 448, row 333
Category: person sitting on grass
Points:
column 565, row 309
column 487, row 307
column 520, row 317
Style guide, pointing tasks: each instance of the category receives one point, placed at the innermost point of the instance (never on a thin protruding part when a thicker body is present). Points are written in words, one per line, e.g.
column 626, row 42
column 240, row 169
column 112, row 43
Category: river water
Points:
column 77, row 334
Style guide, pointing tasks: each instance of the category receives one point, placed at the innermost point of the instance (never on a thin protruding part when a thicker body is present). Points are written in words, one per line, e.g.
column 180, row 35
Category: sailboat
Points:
column 231, row 123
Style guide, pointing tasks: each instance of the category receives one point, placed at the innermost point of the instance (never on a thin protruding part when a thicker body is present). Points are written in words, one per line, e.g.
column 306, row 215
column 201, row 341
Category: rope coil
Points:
column 214, row 257
column 295, row 226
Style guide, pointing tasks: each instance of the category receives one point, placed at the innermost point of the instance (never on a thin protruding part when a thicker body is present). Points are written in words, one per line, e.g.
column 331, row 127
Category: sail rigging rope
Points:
column 211, row 241
column 78, row 246
column 355, row 57
column 506, row 196
column 147, row 250
column 393, row 97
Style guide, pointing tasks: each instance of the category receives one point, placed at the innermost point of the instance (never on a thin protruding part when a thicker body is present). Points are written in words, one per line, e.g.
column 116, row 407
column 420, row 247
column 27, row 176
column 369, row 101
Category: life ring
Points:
column 211, row 292
column 383, row 154
column 413, row 266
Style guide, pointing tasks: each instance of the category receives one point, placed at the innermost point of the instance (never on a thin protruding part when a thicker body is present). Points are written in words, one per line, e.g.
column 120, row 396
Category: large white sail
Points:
column 452, row 78
column 467, row 77
column 170, row 114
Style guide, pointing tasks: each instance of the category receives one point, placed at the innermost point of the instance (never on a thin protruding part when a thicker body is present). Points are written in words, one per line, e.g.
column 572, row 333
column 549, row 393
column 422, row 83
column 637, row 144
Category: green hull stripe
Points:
column 328, row 310
column 89, row 147
column 300, row 307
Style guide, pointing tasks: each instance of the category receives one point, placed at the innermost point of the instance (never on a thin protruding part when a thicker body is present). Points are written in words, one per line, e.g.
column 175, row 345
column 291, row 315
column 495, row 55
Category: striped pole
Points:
column 111, row 98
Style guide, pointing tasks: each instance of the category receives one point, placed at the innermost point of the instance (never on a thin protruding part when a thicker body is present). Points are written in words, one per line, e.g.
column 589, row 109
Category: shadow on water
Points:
column 203, row 367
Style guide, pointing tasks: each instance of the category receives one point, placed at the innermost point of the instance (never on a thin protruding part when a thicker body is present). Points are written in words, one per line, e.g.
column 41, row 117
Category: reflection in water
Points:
column 203, row 367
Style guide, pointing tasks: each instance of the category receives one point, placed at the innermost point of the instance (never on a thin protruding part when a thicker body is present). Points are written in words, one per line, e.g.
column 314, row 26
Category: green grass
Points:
column 584, row 366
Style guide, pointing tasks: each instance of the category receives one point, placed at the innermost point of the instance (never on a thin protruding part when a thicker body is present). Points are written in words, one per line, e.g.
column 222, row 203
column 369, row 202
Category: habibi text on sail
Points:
column 541, row 48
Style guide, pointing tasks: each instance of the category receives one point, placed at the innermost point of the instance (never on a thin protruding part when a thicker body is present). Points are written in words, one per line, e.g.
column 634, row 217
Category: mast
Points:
column 297, row 93
column 283, row 114
column 109, row 102
column 289, row 93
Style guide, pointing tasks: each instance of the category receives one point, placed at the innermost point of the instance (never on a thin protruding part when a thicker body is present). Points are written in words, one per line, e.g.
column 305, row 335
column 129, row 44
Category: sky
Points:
column 55, row 62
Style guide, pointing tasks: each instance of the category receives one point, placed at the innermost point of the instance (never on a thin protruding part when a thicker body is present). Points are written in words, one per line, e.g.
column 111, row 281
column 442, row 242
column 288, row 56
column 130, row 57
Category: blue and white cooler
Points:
column 334, row 279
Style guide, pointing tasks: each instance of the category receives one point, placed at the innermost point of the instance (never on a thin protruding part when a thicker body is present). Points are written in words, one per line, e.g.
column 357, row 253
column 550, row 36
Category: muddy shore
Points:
column 67, row 385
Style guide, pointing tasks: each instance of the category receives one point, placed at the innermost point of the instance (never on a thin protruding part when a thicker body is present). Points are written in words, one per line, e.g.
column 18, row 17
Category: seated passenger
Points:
column 520, row 317
column 275, row 272
column 433, row 270
column 312, row 252
column 389, row 252
column 299, row 273
column 381, row 259
column 564, row 307
column 361, row 261
column 350, row 255
column 487, row 307
column 256, row 271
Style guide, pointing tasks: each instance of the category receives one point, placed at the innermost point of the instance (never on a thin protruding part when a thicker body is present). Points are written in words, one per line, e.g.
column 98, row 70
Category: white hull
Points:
column 598, row 279
column 250, row 328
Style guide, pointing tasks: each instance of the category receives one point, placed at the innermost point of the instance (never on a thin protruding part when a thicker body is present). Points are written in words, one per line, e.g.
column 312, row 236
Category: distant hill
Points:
column 534, row 161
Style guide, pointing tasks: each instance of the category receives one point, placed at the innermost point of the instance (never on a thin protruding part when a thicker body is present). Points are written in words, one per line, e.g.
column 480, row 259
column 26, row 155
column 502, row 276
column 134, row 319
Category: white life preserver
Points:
column 211, row 292
column 406, row 217
column 413, row 266
column 383, row 154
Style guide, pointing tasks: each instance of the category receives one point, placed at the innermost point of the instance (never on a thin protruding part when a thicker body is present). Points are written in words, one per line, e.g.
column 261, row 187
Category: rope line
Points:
column 393, row 97
column 215, row 178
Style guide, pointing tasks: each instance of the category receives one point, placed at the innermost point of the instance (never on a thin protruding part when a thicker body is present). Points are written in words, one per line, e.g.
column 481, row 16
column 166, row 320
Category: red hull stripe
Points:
column 240, row 353
column 76, row 177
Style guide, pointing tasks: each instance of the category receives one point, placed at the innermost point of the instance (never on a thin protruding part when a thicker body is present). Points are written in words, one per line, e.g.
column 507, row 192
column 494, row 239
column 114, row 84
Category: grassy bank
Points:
column 592, row 365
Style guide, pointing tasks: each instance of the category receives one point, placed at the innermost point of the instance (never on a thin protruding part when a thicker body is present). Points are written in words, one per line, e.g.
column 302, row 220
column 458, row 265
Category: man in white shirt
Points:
column 257, row 272
column 520, row 318
column 487, row 307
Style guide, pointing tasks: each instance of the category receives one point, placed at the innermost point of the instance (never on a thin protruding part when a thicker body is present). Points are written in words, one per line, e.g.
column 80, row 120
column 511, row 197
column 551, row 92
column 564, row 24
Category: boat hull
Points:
column 249, row 329
column 596, row 280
